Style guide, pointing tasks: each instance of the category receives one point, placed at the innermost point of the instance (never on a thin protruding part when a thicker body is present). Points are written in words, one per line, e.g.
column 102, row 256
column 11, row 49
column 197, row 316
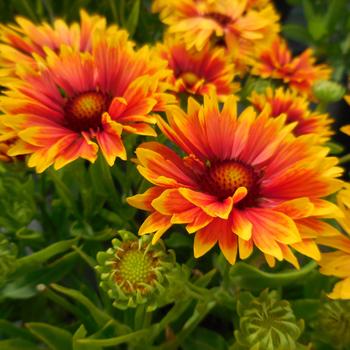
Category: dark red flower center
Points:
column 84, row 111
column 220, row 18
column 224, row 178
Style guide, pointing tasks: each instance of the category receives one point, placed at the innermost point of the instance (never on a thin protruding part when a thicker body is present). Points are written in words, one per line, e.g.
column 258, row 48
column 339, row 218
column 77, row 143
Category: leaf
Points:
column 100, row 317
column 246, row 276
column 204, row 339
column 47, row 253
column 132, row 21
column 11, row 330
column 54, row 337
column 297, row 32
column 80, row 334
column 17, row 344
column 25, row 282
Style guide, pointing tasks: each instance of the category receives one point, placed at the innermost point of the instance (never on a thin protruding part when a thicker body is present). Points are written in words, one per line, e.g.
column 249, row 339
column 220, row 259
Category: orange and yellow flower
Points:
column 21, row 41
column 296, row 109
column 337, row 263
column 242, row 24
column 346, row 128
column 81, row 102
column 244, row 181
column 198, row 72
column 298, row 72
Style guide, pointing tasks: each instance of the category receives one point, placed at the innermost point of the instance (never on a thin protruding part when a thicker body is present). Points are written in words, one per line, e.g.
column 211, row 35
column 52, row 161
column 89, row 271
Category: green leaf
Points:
column 246, row 276
column 17, row 344
column 133, row 19
column 45, row 254
column 100, row 317
column 296, row 32
column 25, row 281
column 204, row 339
column 80, row 334
column 11, row 330
column 55, row 338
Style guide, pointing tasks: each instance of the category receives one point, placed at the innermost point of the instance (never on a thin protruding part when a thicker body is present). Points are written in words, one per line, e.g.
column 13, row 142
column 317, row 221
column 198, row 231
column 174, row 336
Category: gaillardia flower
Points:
column 299, row 73
column 134, row 271
column 198, row 72
column 244, row 181
column 80, row 102
column 238, row 22
column 23, row 40
column 296, row 109
column 337, row 263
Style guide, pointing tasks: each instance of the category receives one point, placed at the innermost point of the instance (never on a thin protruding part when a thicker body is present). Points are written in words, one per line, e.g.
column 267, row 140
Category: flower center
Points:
column 224, row 178
column 135, row 268
column 189, row 78
column 84, row 111
column 220, row 18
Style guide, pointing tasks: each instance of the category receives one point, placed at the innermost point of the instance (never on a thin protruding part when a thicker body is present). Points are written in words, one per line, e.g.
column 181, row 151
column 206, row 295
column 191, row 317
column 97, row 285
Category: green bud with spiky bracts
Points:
column 266, row 323
column 134, row 271
column 332, row 326
column 8, row 253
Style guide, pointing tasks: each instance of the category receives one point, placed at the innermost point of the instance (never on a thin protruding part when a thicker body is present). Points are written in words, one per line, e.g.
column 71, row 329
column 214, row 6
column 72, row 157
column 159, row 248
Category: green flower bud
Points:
column 333, row 324
column 8, row 253
column 266, row 323
column 328, row 91
column 134, row 271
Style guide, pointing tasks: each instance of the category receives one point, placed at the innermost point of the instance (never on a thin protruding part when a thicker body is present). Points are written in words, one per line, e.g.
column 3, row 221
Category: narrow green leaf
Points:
column 17, row 344
column 45, row 254
column 133, row 19
column 55, row 338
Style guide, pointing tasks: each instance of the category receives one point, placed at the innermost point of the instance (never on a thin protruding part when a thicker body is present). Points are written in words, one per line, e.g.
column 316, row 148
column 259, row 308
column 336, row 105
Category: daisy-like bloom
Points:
column 337, row 263
column 298, row 72
column 296, row 109
column 346, row 129
column 244, row 181
column 236, row 22
column 20, row 41
column 81, row 102
column 198, row 72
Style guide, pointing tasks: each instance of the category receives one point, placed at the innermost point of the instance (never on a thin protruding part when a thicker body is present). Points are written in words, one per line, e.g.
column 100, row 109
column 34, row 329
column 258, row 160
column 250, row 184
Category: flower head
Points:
column 243, row 182
column 198, row 72
column 337, row 263
column 81, row 102
column 267, row 323
column 239, row 23
column 296, row 109
column 24, row 39
column 299, row 73
column 134, row 271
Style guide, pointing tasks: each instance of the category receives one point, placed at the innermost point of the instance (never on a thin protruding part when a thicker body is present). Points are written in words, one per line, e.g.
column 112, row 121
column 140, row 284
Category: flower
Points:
column 243, row 182
column 296, row 109
column 235, row 21
column 337, row 263
column 23, row 40
column 81, row 102
column 267, row 323
column 134, row 271
column 346, row 128
column 299, row 73
column 198, row 73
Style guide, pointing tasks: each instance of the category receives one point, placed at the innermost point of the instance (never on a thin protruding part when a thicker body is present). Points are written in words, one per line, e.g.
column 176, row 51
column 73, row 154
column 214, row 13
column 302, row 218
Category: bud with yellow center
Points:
column 134, row 271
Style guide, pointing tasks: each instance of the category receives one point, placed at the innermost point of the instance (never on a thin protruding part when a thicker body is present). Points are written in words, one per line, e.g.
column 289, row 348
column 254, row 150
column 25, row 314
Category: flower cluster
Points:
column 245, row 170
